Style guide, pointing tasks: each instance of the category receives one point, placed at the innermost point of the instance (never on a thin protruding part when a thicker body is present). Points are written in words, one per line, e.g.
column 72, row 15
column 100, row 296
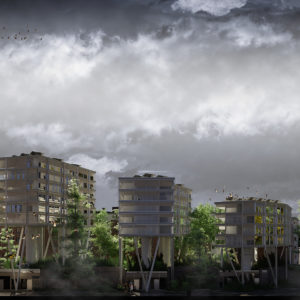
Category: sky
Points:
column 206, row 91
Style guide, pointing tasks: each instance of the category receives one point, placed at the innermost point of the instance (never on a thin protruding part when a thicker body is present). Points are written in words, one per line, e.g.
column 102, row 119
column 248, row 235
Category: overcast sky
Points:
column 206, row 91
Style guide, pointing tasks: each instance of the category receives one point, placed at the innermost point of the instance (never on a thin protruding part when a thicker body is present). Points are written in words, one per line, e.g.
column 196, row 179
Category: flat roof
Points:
column 35, row 153
column 250, row 199
column 147, row 178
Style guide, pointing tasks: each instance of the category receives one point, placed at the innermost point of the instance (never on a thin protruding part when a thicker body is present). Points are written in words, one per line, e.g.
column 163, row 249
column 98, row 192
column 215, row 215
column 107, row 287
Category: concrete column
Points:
column 242, row 265
column 29, row 284
column 222, row 261
column 285, row 263
column 172, row 258
column 276, row 266
column 121, row 260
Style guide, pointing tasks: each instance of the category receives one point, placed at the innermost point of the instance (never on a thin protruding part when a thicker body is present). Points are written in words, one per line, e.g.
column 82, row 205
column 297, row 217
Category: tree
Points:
column 75, row 221
column 203, row 230
column 104, row 244
column 8, row 249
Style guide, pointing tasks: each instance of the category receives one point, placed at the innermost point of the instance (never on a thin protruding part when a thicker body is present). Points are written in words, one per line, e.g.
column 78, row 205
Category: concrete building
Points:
column 254, row 227
column 153, row 209
column 294, row 253
column 33, row 194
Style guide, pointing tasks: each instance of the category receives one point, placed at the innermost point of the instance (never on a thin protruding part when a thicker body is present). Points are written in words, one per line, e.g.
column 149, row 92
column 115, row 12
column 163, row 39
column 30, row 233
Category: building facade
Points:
column 254, row 227
column 33, row 194
column 294, row 256
column 153, row 209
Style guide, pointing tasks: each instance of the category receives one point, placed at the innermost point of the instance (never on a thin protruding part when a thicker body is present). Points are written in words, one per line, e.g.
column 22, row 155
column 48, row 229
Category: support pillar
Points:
column 120, row 260
column 152, row 266
column 63, row 243
column 242, row 265
column 172, row 258
column 222, row 260
column 276, row 266
column 140, row 264
column 285, row 262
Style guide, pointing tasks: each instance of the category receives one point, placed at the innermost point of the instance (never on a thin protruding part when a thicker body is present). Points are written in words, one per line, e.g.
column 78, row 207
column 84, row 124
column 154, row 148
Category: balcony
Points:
column 142, row 202
column 146, row 213
column 147, row 189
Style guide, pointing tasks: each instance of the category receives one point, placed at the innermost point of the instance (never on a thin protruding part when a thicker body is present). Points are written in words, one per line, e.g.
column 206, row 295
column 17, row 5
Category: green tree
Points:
column 104, row 244
column 78, row 234
column 198, row 241
column 8, row 249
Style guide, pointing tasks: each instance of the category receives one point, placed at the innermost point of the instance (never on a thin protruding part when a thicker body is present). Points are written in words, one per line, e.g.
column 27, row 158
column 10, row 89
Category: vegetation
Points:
column 75, row 222
column 104, row 244
column 198, row 242
column 8, row 249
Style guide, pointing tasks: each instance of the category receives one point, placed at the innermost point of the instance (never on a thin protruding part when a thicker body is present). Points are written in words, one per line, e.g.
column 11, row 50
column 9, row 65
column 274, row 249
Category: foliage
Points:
column 159, row 264
column 78, row 269
column 42, row 263
column 103, row 262
column 75, row 222
column 297, row 231
column 130, row 259
column 204, row 273
column 104, row 244
column 8, row 249
column 233, row 257
column 203, row 230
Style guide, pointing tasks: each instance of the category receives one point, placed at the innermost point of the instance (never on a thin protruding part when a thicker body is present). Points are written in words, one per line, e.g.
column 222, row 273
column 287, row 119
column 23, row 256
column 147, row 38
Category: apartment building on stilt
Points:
column 252, row 228
column 33, row 195
column 152, row 209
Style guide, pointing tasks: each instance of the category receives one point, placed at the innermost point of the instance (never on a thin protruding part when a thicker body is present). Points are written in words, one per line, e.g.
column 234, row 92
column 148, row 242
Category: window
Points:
column 250, row 219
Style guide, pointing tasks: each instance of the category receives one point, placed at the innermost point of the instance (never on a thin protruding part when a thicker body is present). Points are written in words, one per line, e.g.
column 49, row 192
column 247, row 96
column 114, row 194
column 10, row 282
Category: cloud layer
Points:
column 214, row 7
column 212, row 101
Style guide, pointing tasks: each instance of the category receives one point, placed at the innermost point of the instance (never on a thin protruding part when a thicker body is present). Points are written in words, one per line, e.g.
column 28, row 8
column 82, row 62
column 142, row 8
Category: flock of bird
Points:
column 21, row 35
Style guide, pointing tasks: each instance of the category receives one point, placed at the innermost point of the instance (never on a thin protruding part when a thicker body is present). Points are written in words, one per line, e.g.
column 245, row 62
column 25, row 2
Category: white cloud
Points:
column 206, row 81
column 214, row 7
column 101, row 165
column 245, row 33
column 54, row 137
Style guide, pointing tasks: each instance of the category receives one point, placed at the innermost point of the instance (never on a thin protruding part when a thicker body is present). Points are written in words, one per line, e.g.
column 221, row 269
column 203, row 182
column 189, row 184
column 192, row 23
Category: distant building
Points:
column 154, row 209
column 294, row 254
column 254, row 227
column 33, row 193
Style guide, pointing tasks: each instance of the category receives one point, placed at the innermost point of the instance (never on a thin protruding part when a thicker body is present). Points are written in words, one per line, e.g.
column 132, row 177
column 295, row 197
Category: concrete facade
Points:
column 253, row 227
column 155, row 210
column 294, row 255
column 33, row 195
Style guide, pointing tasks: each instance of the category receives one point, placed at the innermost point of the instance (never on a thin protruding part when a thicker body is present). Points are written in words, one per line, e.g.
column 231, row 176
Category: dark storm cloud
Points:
column 204, row 92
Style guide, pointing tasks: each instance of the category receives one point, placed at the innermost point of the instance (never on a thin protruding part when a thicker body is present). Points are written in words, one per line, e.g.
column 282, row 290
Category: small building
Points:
column 153, row 209
column 33, row 194
column 294, row 253
column 254, row 227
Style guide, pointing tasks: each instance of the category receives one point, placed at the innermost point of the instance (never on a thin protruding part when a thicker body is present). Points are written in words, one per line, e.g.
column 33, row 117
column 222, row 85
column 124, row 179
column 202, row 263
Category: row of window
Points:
column 59, row 169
